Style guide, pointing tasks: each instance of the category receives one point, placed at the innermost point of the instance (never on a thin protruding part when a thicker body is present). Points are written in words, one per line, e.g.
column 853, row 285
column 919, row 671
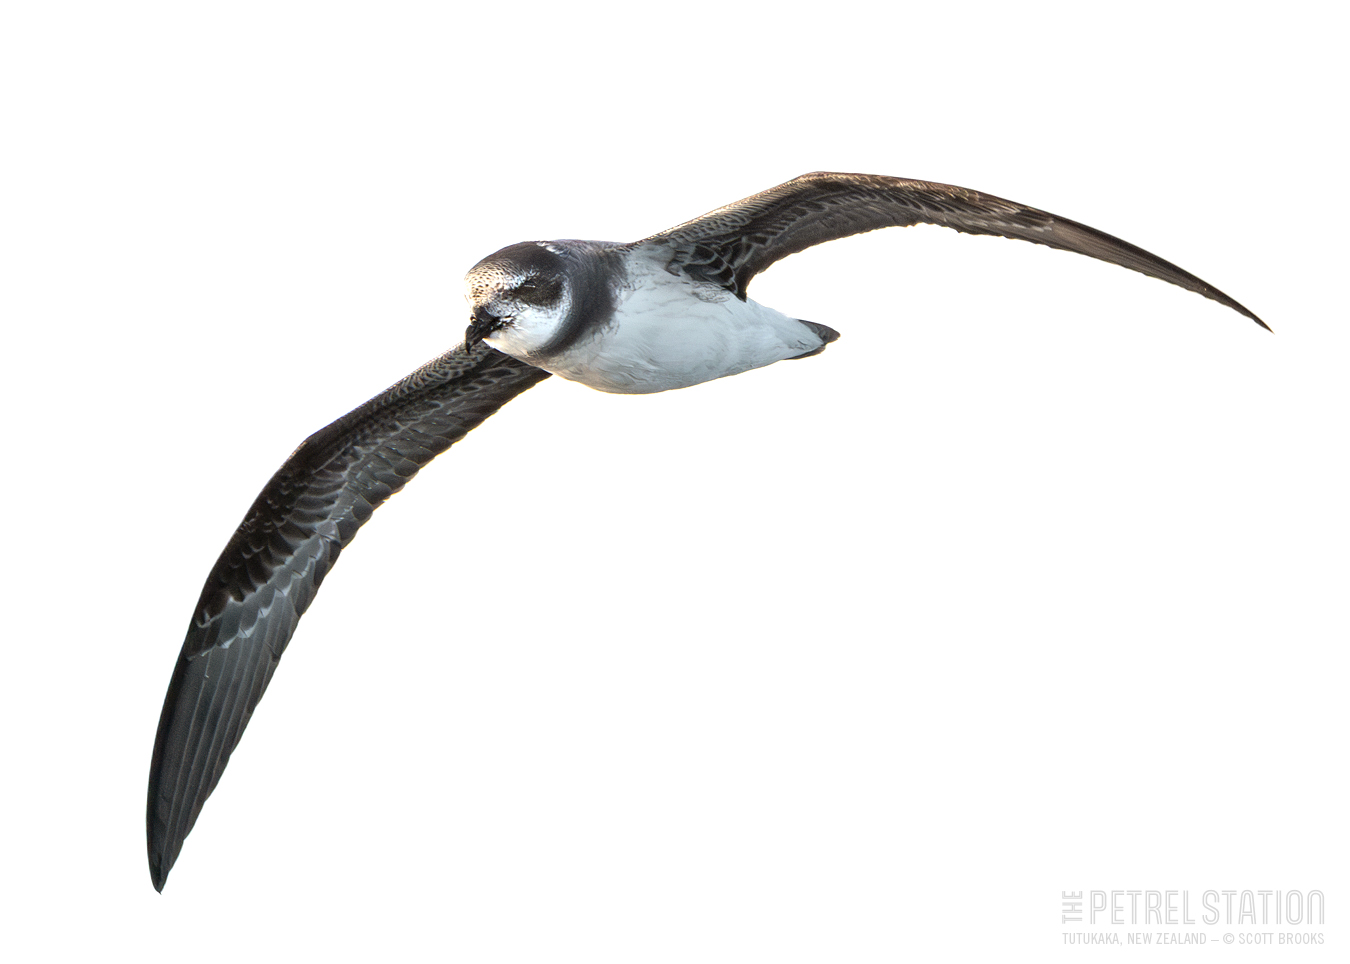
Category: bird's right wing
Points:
column 272, row 567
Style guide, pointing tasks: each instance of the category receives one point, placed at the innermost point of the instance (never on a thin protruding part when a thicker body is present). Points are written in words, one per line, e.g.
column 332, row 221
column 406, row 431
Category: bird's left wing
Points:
column 272, row 567
column 731, row 245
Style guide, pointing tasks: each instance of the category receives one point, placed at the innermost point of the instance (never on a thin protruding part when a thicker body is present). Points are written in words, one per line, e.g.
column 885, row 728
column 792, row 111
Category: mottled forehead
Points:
column 511, row 265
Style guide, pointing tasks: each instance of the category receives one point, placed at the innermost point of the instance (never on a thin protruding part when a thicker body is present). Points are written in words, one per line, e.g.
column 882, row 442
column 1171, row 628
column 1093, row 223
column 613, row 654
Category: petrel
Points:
column 666, row 312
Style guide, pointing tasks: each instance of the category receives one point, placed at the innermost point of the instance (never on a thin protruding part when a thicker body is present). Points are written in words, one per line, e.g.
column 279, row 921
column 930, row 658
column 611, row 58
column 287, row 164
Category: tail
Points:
column 826, row 335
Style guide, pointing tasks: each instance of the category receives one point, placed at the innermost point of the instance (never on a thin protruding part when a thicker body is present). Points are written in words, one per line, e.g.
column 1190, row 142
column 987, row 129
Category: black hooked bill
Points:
column 484, row 324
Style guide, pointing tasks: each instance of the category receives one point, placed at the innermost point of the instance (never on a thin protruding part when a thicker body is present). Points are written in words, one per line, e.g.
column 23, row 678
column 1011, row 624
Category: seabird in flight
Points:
column 667, row 312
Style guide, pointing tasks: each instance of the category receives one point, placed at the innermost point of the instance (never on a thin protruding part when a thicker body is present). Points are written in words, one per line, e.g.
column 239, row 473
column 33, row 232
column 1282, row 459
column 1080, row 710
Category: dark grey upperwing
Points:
column 273, row 565
column 731, row 245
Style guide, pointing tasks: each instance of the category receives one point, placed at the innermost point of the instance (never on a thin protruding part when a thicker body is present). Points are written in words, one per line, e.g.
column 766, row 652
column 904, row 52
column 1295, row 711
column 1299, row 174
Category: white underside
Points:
column 668, row 332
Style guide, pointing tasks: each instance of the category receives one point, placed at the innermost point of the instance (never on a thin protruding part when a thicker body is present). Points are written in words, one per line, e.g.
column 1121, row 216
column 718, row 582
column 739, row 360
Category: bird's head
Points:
column 519, row 298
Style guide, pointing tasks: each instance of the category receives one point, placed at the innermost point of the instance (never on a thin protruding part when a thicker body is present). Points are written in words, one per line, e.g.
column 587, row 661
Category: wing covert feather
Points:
column 276, row 560
column 731, row 245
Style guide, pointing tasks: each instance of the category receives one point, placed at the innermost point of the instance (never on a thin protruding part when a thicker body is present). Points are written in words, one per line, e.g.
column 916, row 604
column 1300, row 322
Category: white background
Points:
column 1035, row 581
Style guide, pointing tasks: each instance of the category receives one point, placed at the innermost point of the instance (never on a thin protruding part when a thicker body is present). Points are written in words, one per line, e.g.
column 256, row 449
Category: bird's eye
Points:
column 537, row 291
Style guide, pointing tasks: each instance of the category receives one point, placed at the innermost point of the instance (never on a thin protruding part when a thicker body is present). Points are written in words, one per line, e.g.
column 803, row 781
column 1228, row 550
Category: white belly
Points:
column 670, row 333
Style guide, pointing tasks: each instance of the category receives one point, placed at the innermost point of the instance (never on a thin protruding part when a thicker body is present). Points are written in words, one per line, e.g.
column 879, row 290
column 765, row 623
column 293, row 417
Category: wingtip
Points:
column 157, row 853
column 1252, row 315
column 1216, row 295
column 159, row 868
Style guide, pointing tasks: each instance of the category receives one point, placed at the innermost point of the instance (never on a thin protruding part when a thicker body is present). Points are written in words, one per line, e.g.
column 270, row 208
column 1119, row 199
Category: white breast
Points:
column 668, row 332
